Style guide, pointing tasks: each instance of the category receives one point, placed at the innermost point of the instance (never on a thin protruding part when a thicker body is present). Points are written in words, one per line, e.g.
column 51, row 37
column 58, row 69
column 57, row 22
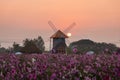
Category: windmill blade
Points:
column 69, row 28
column 52, row 26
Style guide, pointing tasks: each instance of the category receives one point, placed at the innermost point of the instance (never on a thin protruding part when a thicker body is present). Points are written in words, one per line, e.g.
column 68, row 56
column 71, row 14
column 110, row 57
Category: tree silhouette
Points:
column 30, row 47
column 16, row 47
column 86, row 45
column 39, row 43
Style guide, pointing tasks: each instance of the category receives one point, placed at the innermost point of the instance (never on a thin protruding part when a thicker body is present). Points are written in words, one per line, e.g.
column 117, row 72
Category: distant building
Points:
column 59, row 44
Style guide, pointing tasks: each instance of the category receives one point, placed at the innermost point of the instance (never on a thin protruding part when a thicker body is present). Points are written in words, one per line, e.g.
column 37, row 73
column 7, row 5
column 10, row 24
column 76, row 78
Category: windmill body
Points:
column 59, row 44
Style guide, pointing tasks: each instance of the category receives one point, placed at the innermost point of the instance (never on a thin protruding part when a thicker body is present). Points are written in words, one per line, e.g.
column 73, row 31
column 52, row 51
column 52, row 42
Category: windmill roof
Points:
column 59, row 34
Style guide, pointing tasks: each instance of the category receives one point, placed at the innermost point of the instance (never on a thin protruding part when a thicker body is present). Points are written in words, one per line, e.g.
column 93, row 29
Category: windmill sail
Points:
column 52, row 26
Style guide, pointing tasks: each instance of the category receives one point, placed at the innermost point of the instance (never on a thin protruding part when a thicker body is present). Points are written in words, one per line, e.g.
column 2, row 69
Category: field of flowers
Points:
column 59, row 67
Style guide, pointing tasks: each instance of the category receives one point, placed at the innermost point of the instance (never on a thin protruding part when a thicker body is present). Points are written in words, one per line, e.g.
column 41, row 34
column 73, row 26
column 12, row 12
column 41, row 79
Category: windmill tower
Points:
column 59, row 42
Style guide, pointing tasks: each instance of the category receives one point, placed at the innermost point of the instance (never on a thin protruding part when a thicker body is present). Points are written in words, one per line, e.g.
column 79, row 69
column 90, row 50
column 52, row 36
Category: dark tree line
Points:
column 33, row 46
column 37, row 46
column 86, row 45
column 29, row 46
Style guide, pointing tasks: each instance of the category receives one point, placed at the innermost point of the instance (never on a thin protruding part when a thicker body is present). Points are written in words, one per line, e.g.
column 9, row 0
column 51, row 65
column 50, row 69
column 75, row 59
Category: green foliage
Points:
column 3, row 50
column 69, row 51
column 30, row 47
column 39, row 43
column 16, row 47
column 86, row 45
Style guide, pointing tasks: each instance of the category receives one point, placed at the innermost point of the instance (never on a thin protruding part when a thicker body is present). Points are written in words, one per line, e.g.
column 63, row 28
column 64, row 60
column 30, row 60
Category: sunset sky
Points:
column 98, row 20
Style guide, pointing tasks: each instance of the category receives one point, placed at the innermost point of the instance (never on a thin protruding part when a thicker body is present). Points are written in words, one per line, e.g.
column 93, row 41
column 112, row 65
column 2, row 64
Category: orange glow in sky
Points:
column 98, row 20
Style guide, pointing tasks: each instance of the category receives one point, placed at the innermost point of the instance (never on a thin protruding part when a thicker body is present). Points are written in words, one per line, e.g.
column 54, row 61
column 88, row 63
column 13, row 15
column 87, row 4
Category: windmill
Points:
column 59, row 43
